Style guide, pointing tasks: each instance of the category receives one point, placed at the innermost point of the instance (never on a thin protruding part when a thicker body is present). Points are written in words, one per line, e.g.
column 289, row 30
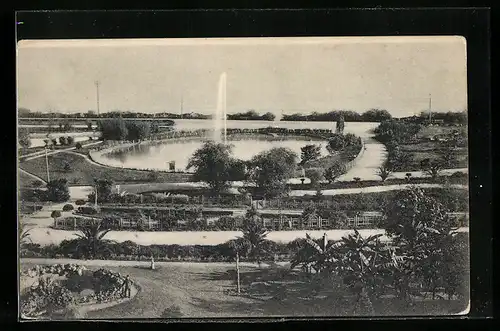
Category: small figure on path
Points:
column 152, row 263
column 126, row 287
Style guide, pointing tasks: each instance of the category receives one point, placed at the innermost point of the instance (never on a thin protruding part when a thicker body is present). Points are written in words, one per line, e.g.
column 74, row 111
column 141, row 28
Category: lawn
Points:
column 83, row 172
column 209, row 290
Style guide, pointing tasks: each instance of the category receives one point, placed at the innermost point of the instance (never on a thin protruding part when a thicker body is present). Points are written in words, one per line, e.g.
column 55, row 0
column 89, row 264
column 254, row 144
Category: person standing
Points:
column 152, row 262
column 126, row 287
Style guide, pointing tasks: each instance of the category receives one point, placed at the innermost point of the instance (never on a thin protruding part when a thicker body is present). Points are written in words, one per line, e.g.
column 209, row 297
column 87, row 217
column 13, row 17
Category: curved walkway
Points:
column 367, row 165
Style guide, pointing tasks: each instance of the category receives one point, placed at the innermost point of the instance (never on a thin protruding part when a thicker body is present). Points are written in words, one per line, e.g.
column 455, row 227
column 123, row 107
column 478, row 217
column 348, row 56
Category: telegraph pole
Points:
column 97, row 95
column 182, row 105
column 430, row 108
column 96, row 196
column 47, row 164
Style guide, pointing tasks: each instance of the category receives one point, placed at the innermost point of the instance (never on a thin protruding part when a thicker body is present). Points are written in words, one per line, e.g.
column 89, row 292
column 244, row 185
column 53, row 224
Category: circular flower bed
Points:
column 56, row 287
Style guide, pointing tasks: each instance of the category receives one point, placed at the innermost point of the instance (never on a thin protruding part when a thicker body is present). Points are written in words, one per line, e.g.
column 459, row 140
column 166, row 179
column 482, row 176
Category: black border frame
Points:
column 473, row 24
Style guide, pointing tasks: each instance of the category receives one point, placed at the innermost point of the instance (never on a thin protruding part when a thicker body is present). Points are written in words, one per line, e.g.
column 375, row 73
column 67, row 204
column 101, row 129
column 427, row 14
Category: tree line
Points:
column 252, row 115
column 372, row 115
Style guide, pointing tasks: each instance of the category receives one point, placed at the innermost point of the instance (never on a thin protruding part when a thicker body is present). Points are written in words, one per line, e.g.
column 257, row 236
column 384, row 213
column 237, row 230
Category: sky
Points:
column 281, row 75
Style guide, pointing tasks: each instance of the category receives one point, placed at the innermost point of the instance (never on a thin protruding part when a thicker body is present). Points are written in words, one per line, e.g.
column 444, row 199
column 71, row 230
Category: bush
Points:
column 78, row 145
column 68, row 207
column 314, row 175
column 172, row 312
column 89, row 210
column 80, row 202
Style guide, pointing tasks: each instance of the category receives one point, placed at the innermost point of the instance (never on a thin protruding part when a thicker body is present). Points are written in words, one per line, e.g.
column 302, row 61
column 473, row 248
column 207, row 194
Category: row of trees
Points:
column 372, row 115
column 268, row 170
column 251, row 115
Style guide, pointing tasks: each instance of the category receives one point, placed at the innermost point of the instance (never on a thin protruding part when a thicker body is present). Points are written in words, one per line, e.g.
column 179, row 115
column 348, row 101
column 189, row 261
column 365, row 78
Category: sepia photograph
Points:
column 242, row 177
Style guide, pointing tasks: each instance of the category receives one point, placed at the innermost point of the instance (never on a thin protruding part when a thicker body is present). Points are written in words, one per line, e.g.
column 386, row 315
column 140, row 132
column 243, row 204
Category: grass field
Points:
column 209, row 290
column 83, row 172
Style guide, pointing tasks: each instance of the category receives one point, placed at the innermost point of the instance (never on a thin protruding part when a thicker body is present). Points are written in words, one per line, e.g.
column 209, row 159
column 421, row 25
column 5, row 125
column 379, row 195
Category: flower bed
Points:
column 50, row 295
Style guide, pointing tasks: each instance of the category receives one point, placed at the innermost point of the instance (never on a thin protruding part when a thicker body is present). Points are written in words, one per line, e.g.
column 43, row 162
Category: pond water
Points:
column 158, row 157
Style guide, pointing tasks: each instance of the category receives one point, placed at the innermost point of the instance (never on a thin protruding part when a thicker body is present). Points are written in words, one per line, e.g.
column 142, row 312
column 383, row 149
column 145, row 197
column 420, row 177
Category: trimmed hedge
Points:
column 68, row 207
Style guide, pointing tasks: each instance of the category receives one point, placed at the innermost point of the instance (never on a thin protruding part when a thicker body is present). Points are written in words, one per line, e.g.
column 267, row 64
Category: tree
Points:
column 57, row 190
column 237, row 170
column 137, row 130
column 55, row 215
column 334, row 171
column 104, row 190
column 448, row 155
column 336, row 142
column 78, row 145
column 113, row 129
column 272, row 169
column 24, row 137
column 70, row 140
column 432, row 167
column 420, row 228
column 37, row 183
column 312, row 253
column 376, row 115
column 91, row 235
column 268, row 116
column 384, row 172
column 314, row 175
column 24, row 236
column 309, row 153
column 254, row 236
column 212, row 165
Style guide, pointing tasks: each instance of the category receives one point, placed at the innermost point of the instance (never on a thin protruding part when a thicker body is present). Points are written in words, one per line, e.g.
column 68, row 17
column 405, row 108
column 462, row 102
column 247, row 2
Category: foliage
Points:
column 272, row 169
column 334, row 171
column 384, row 172
column 376, row 115
column 254, row 240
column 47, row 297
column 68, row 207
column 70, row 140
column 78, row 145
column 23, row 137
column 104, row 190
column 36, row 183
column 55, row 214
column 397, row 131
column 251, row 115
column 314, row 175
column 432, row 167
column 309, row 153
column 212, row 163
column 421, row 229
column 80, row 202
column 113, row 129
column 137, row 130
column 173, row 311
column 91, row 236
column 57, row 190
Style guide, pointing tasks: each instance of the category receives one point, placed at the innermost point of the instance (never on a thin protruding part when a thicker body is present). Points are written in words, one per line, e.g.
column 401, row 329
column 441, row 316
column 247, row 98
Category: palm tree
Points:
column 254, row 236
column 315, row 254
column 363, row 263
column 384, row 172
column 92, row 235
column 24, row 236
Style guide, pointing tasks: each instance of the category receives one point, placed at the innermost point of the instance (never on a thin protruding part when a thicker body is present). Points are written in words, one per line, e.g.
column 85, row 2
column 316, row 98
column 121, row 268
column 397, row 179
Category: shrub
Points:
column 173, row 311
column 80, row 202
column 70, row 140
column 89, row 210
column 78, row 145
column 68, row 207
column 314, row 175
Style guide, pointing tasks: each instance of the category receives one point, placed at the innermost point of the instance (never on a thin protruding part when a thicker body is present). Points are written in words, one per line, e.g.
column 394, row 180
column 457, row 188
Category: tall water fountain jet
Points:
column 220, row 125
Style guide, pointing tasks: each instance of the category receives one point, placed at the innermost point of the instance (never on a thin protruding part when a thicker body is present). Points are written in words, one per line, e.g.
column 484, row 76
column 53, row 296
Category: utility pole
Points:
column 47, row 164
column 182, row 105
column 238, row 270
column 97, row 94
column 96, row 196
column 430, row 108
